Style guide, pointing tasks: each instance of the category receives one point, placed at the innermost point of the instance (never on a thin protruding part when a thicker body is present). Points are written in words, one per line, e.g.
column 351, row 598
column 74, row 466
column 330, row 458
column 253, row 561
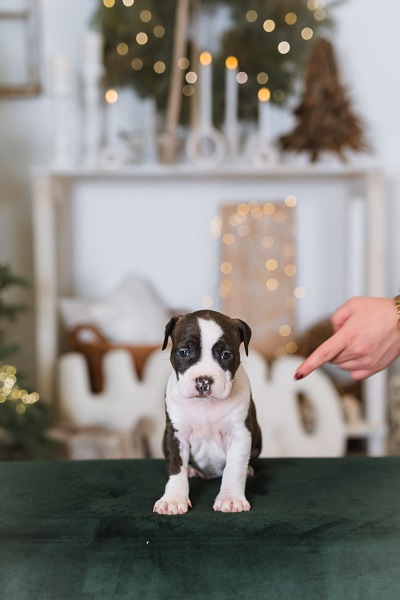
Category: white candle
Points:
column 92, row 48
column 60, row 76
column 231, row 94
column 111, row 97
column 111, row 156
column 264, row 114
column 205, row 90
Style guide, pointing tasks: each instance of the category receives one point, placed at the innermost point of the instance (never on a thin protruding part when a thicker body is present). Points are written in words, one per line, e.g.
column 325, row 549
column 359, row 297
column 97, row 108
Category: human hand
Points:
column 366, row 338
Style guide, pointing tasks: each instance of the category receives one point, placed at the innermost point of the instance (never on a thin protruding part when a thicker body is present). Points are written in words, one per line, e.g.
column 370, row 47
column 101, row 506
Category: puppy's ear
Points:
column 245, row 334
column 169, row 329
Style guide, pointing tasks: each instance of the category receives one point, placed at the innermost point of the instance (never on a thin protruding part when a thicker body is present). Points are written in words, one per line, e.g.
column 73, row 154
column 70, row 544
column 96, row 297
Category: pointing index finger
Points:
column 323, row 354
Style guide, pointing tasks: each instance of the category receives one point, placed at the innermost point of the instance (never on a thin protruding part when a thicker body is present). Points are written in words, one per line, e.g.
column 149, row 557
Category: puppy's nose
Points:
column 203, row 384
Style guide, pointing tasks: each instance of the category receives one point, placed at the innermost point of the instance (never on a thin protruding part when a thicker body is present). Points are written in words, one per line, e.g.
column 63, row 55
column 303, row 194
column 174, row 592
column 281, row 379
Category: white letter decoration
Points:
column 126, row 401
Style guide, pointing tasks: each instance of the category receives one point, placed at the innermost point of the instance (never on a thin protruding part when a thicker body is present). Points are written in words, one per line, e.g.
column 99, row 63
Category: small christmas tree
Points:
column 8, row 311
column 325, row 118
column 23, row 421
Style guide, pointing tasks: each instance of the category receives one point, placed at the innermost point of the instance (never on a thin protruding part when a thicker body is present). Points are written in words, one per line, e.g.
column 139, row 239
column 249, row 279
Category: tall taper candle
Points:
column 231, row 125
column 264, row 114
column 231, row 93
column 92, row 48
column 111, row 97
column 205, row 90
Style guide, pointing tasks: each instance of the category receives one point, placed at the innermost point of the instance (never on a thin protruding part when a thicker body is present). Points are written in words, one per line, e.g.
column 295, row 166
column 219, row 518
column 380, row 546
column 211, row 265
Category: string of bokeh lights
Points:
column 317, row 7
column 238, row 219
column 9, row 390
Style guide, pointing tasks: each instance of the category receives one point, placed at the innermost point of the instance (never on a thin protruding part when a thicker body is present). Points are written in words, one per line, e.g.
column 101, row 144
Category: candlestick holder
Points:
column 61, row 90
column 232, row 136
column 91, row 75
column 149, row 150
column 260, row 153
column 206, row 147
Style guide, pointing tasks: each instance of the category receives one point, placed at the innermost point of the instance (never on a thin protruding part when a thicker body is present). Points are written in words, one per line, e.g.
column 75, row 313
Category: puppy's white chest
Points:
column 208, row 443
column 209, row 456
column 204, row 422
column 207, row 428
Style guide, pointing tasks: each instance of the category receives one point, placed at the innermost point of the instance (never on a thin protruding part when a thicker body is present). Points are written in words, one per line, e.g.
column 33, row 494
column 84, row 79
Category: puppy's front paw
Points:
column 227, row 503
column 168, row 505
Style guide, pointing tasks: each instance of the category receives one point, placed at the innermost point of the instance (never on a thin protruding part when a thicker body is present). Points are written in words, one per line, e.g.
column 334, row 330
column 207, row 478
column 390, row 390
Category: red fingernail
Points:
column 299, row 375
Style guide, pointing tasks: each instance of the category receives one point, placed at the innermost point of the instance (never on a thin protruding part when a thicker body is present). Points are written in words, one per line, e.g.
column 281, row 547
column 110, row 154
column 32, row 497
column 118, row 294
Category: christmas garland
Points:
column 138, row 41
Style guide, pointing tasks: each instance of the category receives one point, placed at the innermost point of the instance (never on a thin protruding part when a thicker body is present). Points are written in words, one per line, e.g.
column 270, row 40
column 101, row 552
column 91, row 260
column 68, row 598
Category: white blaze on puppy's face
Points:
column 207, row 371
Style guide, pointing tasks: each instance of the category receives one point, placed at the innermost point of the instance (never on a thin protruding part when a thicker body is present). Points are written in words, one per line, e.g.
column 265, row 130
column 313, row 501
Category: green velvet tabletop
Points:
column 319, row 529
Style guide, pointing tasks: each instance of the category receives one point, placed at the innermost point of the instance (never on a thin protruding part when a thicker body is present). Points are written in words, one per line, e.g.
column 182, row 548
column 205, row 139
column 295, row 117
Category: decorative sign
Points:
column 258, row 271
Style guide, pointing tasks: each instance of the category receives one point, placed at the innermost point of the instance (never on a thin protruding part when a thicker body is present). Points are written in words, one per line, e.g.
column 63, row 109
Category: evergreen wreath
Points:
column 138, row 43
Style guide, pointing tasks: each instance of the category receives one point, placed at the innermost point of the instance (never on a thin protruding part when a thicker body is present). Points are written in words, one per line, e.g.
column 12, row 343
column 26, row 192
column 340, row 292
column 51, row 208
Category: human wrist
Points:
column 396, row 301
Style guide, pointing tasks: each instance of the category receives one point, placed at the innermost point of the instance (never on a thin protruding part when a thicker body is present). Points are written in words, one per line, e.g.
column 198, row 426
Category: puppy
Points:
column 211, row 426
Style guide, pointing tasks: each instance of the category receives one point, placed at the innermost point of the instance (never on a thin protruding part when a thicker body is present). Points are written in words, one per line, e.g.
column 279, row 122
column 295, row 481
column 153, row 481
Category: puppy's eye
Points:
column 226, row 355
column 183, row 352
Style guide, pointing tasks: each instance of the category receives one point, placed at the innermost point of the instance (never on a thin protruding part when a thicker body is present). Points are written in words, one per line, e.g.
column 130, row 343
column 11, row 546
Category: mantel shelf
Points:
column 319, row 170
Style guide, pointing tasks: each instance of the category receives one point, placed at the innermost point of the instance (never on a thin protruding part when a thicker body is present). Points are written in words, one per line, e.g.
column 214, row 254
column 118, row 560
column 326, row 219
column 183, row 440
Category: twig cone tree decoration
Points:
column 325, row 118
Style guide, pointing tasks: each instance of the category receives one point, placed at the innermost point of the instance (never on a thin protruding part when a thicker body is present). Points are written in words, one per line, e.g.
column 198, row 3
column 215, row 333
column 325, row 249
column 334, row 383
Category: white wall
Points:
column 161, row 230
column 368, row 53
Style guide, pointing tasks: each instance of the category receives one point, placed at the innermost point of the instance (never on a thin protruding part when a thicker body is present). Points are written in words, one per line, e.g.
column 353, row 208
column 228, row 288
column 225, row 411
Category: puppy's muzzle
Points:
column 203, row 385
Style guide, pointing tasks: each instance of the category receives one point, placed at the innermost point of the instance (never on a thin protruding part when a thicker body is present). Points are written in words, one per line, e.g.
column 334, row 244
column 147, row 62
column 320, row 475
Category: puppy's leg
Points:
column 176, row 495
column 231, row 497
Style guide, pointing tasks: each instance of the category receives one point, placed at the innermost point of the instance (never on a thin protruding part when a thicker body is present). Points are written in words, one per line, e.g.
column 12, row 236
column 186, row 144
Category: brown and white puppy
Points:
column 211, row 427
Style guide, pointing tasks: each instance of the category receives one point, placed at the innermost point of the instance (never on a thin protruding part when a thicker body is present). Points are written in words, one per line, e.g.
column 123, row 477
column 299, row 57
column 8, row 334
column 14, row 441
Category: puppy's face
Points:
column 205, row 352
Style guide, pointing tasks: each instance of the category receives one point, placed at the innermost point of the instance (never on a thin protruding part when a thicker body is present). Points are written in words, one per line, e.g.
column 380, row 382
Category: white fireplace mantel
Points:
column 52, row 190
